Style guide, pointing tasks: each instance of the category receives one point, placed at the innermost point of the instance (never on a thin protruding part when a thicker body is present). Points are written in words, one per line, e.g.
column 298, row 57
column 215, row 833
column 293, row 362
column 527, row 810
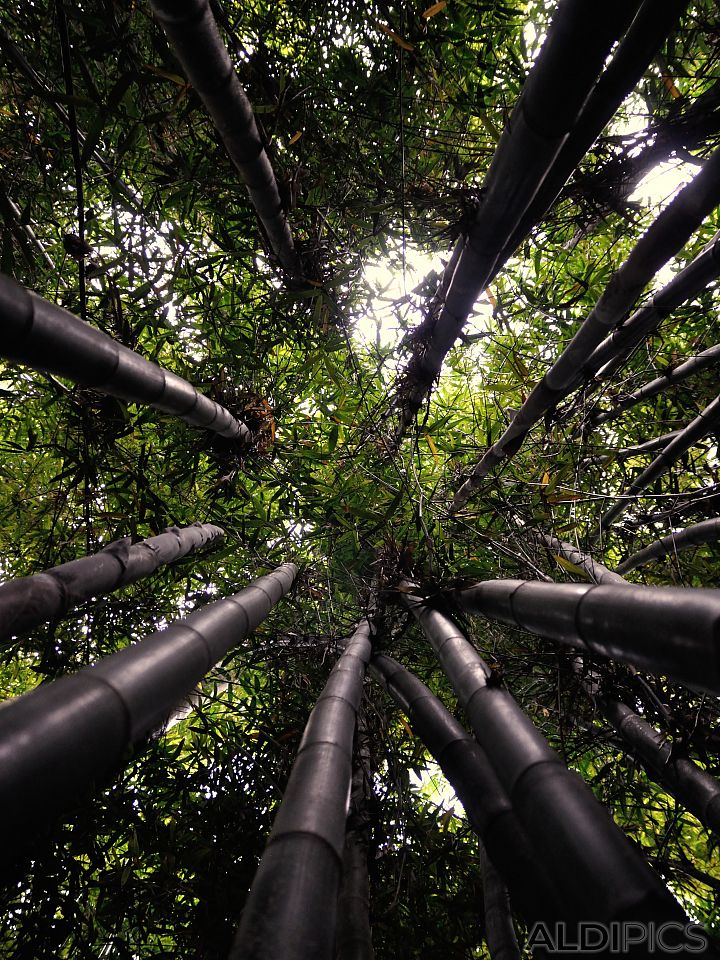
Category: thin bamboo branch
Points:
column 664, row 630
column 66, row 736
column 578, row 42
column 594, row 571
column 46, row 597
column 694, row 787
column 46, row 337
column 474, row 780
column 707, row 531
column 598, row 873
column 669, row 378
column 637, row 450
column 707, row 421
column 664, row 238
column 194, row 36
column 291, row 909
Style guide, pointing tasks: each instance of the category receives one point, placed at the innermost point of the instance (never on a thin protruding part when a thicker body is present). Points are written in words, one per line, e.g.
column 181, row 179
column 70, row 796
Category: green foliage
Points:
column 380, row 149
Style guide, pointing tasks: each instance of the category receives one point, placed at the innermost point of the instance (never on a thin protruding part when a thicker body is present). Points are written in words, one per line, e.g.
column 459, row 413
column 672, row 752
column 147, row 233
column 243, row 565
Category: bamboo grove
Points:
column 359, row 502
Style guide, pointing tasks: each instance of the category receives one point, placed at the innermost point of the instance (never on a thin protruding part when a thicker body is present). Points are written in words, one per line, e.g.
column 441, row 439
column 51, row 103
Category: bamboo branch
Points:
column 664, row 238
column 474, row 780
column 499, row 930
column 578, row 42
column 194, row 36
column 68, row 735
column 46, row 337
column 46, row 597
column 707, row 421
column 598, row 873
column 707, row 531
column 669, row 631
column 291, row 909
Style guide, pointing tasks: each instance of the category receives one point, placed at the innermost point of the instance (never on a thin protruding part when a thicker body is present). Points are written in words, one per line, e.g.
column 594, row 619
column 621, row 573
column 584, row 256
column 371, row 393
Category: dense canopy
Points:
column 380, row 473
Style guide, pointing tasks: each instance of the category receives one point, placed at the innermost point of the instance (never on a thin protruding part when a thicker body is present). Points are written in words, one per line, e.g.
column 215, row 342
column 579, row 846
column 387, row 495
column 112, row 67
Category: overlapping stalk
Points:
column 664, row 238
column 63, row 737
column 669, row 631
column 707, row 531
column 598, row 873
column 688, row 368
column 46, row 337
column 476, row 783
column 578, row 42
column 636, row 450
column 193, row 34
column 291, row 909
column 684, row 779
column 47, row 596
column 706, row 422
column 595, row 571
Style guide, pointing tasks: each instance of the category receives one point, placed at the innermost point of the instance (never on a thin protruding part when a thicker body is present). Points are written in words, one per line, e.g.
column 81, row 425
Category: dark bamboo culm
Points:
column 611, row 355
column 291, row 910
column 688, row 368
column 353, row 934
column 474, row 780
column 47, row 596
column 637, row 450
column 679, row 775
column 500, row 933
column 706, row 422
column 44, row 336
column 707, row 531
column 665, row 237
column 635, row 52
column 193, row 34
column 598, row 872
column 591, row 568
column 64, row 736
column 572, row 57
column 663, row 630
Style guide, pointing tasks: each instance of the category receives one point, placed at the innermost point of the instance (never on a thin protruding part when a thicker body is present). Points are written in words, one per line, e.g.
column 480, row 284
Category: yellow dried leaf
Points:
column 670, row 86
column 490, row 297
column 405, row 724
column 546, row 479
column 395, row 36
column 435, row 8
column 572, row 568
column 433, row 448
column 295, row 137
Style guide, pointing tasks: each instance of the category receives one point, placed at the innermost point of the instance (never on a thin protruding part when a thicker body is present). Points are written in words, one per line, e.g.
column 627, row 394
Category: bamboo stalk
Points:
column 474, row 780
column 194, row 36
column 707, row 421
column 578, row 42
column 707, row 531
column 499, row 930
column 663, row 630
column 611, row 355
column 68, row 735
column 291, row 909
column 353, row 935
column 694, row 787
column 669, row 378
column 595, row 571
column 27, row 602
column 599, row 874
column 666, row 236
column 46, row 337
column 635, row 52
column 637, row 450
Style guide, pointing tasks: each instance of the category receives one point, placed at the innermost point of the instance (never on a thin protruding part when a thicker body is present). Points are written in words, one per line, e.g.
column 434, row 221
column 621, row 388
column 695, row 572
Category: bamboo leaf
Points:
column 434, row 9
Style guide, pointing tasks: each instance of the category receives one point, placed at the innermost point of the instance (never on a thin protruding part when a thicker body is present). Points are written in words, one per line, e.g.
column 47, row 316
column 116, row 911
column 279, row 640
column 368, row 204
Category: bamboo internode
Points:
column 664, row 630
column 291, row 909
column 598, row 873
column 193, row 33
column 64, row 736
column 594, row 571
column 46, row 337
column 48, row 596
